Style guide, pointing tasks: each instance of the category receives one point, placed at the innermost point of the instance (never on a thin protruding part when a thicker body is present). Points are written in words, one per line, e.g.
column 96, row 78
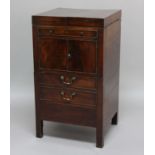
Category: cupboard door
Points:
column 53, row 53
column 82, row 56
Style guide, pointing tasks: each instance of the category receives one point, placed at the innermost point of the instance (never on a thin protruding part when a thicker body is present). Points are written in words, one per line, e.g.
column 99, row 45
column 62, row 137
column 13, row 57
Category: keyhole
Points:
column 69, row 55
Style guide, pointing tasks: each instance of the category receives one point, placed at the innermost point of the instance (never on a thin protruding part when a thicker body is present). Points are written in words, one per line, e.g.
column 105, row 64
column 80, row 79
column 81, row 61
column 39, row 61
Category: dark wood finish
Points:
column 39, row 122
column 60, row 79
column 114, row 120
column 111, row 72
column 63, row 31
column 76, row 68
column 77, row 17
column 51, row 54
column 69, row 96
column 48, row 21
column 73, row 115
column 100, row 93
column 81, row 52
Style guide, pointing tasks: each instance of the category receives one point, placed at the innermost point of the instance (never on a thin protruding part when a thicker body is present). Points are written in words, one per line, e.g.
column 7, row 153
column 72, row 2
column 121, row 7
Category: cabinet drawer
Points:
column 68, row 79
column 67, row 114
column 55, row 31
column 68, row 96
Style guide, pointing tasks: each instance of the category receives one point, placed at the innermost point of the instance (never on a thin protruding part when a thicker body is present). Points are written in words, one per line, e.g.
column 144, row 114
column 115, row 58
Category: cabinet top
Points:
column 82, row 13
column 76, row 17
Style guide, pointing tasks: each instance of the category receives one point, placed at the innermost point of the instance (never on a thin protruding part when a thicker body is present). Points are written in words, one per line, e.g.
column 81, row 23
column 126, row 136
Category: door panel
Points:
column 53, row 53
column 82, row 56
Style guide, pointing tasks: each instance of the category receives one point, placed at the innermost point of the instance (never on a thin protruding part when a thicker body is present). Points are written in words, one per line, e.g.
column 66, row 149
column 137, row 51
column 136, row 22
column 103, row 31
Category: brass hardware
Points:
column 62, row 93
column 73, row 78
column 67, row 98
column 62, row 77
column 69, row 55
column 67, row 82
column 73, row 93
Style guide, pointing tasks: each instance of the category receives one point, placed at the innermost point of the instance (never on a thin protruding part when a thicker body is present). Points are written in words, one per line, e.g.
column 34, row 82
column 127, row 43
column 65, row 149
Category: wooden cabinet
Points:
column 76, row 68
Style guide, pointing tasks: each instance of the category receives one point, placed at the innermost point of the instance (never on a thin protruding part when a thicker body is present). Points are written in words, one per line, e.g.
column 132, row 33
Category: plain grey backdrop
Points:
column 124, row 139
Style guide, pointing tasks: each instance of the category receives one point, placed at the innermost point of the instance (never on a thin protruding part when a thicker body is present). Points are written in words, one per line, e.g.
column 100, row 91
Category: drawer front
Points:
column 67, row 114
column 68, row 79
column 56, row 31
column 64, row 96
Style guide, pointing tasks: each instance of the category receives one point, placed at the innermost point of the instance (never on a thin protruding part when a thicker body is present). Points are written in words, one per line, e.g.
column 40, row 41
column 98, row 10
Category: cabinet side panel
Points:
column 39, row 122
column 35, row 59
column 111, row 72
column 99, row 110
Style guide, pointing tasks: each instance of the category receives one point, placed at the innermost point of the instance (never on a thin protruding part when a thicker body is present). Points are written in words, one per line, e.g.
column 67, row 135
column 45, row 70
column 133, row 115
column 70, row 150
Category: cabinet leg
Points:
column 115, row 119
column 99, row 139
column 39, row 128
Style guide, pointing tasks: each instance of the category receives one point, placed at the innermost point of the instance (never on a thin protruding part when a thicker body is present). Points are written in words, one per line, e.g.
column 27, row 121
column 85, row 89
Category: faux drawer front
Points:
column 68, row 79
column 68, row 96
column 55, row 31
column 67, row 114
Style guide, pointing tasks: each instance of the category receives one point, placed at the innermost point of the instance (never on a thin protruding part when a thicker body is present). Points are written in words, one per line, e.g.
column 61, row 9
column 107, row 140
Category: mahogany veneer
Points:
column 76, row 68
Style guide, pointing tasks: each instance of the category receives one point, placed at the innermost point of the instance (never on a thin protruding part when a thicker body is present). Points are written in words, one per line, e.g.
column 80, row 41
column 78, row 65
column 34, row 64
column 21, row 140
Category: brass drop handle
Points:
column 67, row 82
column 67, row 98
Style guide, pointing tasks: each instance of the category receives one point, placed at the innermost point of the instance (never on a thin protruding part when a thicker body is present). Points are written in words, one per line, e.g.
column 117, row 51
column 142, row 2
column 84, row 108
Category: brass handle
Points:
column 67, row 82
column 67, row 98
